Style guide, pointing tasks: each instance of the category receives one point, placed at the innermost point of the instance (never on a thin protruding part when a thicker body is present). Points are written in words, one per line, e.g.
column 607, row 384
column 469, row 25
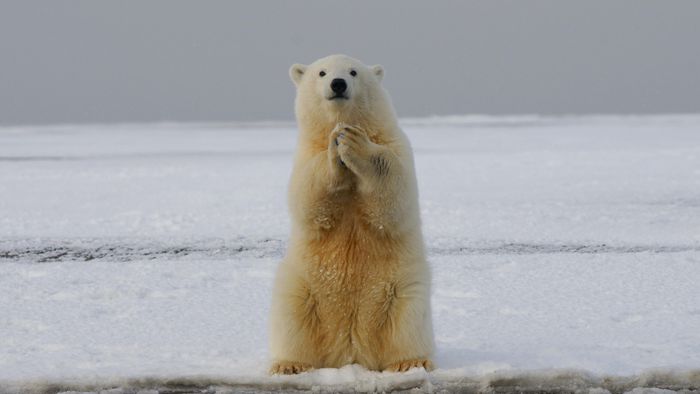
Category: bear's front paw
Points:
column 405, row 365
column 351, row 135
column 354, row 148
column 333, row 155
column 289, row 368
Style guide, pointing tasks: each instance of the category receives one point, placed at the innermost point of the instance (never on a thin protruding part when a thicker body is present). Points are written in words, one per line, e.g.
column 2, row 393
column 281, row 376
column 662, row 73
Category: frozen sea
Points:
column 565, row 255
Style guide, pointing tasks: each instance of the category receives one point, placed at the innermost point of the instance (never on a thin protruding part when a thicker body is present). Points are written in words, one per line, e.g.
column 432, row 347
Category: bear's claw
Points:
column 405, row 365
column 289, row 368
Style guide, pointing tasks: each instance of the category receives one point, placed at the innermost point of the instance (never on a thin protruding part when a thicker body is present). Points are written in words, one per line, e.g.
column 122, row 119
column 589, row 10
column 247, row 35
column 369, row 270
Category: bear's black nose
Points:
column 339, row 86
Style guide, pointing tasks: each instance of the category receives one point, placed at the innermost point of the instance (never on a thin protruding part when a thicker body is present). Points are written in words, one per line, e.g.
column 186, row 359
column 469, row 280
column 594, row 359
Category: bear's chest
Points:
column 351, row 262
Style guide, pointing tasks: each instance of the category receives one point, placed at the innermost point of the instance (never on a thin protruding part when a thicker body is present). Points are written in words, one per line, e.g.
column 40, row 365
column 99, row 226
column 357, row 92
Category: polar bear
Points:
column 354, row 286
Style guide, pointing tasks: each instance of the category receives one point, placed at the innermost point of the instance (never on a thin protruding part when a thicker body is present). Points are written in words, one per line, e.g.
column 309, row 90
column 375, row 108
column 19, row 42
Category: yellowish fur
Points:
column 354, row 285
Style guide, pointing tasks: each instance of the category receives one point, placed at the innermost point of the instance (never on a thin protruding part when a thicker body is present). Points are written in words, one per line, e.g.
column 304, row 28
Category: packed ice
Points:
column 565, row 253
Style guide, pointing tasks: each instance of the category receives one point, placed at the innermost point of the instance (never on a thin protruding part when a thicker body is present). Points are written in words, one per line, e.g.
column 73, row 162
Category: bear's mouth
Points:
column 338, row 97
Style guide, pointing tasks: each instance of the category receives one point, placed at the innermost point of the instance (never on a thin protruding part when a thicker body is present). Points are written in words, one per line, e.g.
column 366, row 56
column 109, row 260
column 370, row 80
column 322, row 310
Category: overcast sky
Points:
column 164, row 60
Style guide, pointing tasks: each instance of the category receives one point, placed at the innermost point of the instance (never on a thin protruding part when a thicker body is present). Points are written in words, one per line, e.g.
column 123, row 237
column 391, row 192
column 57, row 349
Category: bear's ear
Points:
column 296, row 72
column 378, row 72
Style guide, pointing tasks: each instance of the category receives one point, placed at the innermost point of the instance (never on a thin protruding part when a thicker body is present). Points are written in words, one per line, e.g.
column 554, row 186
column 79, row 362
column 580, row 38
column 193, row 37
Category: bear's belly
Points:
column 352, row 278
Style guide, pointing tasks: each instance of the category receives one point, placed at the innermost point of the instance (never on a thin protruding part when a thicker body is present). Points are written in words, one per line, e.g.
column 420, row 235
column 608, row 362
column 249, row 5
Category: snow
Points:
column 565, row 254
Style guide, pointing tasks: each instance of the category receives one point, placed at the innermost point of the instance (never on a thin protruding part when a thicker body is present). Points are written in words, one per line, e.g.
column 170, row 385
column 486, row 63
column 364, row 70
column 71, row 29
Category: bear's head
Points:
column 339, row 88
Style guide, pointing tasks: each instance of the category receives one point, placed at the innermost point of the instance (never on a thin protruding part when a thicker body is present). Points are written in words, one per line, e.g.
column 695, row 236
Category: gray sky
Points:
column 165, row 60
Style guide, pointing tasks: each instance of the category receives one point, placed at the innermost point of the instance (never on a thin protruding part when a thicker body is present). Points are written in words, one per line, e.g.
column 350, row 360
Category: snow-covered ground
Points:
column 564, row 251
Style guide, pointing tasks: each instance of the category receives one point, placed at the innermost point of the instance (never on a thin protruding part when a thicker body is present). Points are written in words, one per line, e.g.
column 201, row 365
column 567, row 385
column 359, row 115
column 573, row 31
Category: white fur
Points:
column 354, row 286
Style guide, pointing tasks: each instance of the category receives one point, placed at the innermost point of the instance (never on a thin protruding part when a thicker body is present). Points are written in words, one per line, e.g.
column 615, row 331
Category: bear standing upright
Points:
column 354, row 286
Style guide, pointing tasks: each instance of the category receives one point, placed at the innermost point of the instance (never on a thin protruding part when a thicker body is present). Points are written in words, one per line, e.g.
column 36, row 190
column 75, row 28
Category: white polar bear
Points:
column 354, row 286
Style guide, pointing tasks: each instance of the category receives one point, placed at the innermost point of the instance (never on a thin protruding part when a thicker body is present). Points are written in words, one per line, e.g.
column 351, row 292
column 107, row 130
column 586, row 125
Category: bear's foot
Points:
column 405, row 365
column 289, row 368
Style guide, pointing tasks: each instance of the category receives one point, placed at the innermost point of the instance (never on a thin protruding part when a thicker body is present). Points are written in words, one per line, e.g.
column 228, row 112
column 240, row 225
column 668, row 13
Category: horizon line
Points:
column 474, row 118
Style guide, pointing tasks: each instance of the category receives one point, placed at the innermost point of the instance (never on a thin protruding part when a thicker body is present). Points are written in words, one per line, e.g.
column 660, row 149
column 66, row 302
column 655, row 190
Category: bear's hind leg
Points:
column 296, row 338
column 406, row 329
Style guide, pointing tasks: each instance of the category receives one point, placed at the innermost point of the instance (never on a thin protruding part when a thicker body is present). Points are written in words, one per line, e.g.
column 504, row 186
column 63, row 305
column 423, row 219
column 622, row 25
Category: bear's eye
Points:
column 353, row 73
column 322, row 74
